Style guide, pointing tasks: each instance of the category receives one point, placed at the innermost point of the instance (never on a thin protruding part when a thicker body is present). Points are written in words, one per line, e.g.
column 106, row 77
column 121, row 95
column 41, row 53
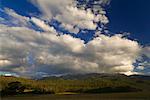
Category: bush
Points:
column 13, row 88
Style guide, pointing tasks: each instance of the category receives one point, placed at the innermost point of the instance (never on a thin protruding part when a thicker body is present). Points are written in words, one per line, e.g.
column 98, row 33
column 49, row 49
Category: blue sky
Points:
column 24, row 20
column 124, row 16
column 131, row 16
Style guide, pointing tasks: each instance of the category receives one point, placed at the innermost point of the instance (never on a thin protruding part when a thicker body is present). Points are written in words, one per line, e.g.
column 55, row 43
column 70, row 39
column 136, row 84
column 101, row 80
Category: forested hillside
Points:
column 87, row 83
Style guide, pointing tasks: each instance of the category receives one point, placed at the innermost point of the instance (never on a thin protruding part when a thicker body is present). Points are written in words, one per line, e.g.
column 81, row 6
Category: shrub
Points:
column 13, row 88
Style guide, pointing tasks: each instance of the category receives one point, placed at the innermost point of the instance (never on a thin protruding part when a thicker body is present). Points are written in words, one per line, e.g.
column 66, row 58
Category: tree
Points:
column 13, row 88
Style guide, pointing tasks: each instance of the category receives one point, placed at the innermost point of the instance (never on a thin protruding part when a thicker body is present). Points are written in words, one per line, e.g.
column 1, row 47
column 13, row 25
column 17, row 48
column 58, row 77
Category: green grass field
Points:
column 75, row 88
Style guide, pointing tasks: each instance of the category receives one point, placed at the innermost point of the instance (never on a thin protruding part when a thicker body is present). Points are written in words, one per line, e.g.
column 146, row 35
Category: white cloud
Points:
column 66, row 12
column 70, row 28
column 104, row 2
column 16, row 18
column 50, row 8
column 140, row 67
column 146, row 51
column 115, row 53
column 42, row 24
column 23, row 21
column 65, row 54
column 144, row 60
column 27, row 51
column 5, row 62
column 132, row 73
column 81, row 18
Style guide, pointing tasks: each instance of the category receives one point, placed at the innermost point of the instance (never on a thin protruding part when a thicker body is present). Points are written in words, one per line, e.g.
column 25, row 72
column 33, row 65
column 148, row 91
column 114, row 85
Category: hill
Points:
column 79, row 83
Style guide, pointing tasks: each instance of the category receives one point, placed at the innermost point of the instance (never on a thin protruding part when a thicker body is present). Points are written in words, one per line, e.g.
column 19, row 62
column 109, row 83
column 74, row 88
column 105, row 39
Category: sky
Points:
column 131, row 16
column 46, row 37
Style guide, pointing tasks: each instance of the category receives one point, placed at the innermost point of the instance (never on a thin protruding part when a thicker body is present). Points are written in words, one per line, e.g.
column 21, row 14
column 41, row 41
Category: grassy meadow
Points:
column 74, row 88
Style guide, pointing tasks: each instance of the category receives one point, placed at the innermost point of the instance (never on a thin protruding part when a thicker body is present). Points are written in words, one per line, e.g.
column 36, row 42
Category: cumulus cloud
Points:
column 144, row 60
column 67, row 12
column 42, row 24
column 27, row 51
column 16, row 18
column 115, row 52
column 146, row 51
column 51, row 8
column 4, row 62
column 65, row 54
column 23, row 21
column 140, row 67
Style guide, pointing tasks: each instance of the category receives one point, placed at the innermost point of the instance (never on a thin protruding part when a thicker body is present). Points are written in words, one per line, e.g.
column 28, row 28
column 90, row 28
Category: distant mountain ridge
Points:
column 97, row 75
column 86, row 76
column 144, row 77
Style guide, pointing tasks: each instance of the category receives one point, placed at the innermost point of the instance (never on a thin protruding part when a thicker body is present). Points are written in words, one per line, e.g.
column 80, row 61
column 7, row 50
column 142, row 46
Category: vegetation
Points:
column 73, row 84
column 13, row 88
